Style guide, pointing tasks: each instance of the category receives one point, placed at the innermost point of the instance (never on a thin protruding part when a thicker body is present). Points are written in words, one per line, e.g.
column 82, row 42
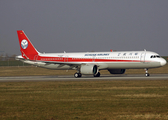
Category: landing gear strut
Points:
column 76, row 75
column 146, row 74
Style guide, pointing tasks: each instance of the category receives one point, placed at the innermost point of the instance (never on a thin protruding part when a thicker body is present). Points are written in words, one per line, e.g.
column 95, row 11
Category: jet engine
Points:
column 116, row 71
column 89, row 69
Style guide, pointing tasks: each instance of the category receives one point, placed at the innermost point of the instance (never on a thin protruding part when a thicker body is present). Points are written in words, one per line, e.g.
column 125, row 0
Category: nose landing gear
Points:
column 146, row 72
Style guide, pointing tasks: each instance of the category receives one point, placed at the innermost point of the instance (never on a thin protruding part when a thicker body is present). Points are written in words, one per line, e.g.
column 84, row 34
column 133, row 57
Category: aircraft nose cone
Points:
column 163, row 62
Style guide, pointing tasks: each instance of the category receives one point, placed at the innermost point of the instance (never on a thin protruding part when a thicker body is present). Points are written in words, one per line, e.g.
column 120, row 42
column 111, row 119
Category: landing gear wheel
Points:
column 97, row 75
column 147, row 74
column 76, row 75
column 79, row 75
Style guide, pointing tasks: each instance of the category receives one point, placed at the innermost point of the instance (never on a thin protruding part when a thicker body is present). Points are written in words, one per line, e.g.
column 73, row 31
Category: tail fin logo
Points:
column 24, row 44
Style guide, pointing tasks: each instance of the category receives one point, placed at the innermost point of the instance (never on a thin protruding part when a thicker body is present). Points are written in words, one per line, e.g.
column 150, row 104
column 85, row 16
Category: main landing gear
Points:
column 97, row 75
column 146, row 74
column 76, row 75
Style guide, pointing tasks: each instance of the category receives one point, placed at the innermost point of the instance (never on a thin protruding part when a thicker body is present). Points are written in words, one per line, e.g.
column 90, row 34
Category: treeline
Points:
column 165, row 57
column 6, row 60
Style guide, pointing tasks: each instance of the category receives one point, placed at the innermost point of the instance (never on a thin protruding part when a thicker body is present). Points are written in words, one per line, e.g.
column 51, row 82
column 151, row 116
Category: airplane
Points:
column 88, row 63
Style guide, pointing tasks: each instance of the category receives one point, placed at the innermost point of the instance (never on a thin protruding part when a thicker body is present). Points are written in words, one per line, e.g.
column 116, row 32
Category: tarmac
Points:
column 85, row 78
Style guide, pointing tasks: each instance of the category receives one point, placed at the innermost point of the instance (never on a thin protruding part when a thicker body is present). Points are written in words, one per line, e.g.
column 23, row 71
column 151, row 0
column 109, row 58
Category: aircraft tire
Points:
column 76, row 75
column 147, row 74
column 97, row 75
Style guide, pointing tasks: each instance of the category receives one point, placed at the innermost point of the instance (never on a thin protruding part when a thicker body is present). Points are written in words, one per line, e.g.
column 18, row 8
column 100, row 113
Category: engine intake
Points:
column 89, row 69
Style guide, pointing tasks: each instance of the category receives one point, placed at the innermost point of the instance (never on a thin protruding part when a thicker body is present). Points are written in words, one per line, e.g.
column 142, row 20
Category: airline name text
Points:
column 97, row 54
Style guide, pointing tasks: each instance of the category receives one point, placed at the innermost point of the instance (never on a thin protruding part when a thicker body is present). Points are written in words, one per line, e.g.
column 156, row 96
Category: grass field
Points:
column 84, row 100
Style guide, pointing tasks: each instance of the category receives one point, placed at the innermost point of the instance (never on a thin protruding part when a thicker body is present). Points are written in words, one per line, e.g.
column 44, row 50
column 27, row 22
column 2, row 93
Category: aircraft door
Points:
column 66, row 59
column 36, row 57
column 93, row 58
column 142, row 58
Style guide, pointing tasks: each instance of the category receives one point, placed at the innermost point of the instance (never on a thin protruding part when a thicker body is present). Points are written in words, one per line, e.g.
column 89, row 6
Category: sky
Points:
column 85, row 25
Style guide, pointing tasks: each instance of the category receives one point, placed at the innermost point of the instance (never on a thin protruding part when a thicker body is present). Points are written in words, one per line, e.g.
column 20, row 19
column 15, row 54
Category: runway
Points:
column 85, row 78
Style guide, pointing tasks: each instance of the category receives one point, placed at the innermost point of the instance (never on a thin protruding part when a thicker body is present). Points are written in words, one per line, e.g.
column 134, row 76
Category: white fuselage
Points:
column 104, row 60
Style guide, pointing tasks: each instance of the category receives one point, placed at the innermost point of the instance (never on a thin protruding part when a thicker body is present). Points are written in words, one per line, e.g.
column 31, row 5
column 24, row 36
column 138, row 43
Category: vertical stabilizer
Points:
column 26, row 47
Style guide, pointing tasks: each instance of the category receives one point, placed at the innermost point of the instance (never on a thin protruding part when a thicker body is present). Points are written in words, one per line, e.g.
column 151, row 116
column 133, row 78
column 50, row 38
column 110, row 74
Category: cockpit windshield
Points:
column 155, row 56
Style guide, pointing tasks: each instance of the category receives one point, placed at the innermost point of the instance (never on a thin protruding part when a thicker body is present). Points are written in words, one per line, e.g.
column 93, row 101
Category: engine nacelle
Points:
column 89, row 69
column 116, row 71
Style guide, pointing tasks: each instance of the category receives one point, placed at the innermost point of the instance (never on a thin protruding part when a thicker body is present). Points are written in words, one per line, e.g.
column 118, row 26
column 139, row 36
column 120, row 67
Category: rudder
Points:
column 26, row 47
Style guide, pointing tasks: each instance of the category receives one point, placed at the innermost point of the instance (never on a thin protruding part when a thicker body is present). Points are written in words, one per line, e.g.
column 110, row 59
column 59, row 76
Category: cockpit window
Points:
column 155, row 56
